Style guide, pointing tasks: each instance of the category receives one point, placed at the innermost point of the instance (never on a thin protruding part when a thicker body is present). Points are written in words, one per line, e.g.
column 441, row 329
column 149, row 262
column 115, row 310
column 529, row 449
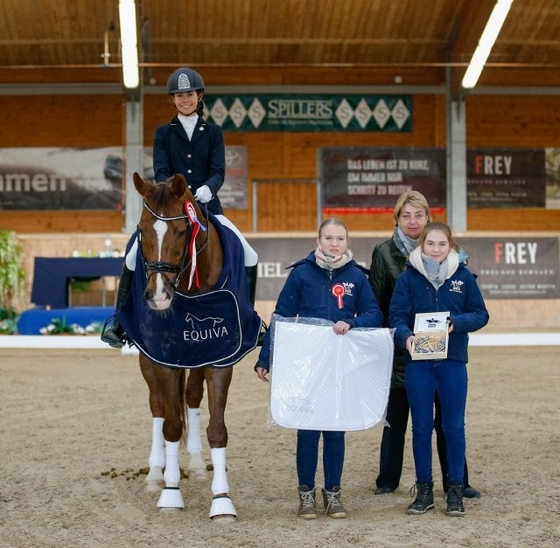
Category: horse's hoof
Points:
column 224, row 518
column 222, row 509
column 154, row 480
column 170, row 510
column 154, row 486
column 171, row 499
column 198, row 475
column 197, row 468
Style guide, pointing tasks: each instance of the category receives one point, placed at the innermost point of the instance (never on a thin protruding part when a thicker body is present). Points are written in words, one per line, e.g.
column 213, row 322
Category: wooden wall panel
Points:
column 99, row 120
column 62, row 121
column 513, row 121
column 29, row 222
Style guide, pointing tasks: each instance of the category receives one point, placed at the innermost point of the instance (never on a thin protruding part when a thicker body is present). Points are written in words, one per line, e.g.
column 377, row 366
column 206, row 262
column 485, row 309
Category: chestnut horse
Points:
column 182, row 257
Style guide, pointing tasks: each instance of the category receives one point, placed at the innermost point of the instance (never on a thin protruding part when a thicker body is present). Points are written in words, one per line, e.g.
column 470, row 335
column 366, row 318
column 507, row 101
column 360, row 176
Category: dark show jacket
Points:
column 200, row 160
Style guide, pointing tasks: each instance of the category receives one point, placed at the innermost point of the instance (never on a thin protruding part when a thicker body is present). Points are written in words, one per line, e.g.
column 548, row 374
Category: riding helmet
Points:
column 184, row 79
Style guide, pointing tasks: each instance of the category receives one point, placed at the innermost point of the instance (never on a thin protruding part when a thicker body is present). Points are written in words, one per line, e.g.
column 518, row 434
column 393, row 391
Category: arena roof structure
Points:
column 414, row 42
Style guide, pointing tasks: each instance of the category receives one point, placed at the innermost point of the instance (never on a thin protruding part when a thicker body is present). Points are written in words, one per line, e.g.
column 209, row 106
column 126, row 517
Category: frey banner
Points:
column 369, row 180
column 506, row 268
column 515, row 268
column 506, row 178
column 303, row 112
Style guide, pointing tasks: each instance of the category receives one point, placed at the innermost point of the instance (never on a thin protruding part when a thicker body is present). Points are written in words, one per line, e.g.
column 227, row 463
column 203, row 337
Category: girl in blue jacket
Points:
column 330, row 285
column 436, row 281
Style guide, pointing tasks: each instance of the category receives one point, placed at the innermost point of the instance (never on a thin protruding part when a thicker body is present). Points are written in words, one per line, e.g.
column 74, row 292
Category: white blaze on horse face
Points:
column 161, row 299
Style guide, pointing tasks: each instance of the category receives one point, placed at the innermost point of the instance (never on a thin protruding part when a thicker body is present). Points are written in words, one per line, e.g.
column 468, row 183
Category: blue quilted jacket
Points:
column 460, row 295
column 308, row 293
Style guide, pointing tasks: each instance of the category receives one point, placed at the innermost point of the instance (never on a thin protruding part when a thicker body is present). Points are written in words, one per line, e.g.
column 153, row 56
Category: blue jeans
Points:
column 449, row 378
column 307, row 456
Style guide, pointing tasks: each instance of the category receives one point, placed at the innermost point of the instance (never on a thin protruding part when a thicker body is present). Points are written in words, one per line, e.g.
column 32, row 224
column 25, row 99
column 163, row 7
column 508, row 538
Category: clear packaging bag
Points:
column 324, row 381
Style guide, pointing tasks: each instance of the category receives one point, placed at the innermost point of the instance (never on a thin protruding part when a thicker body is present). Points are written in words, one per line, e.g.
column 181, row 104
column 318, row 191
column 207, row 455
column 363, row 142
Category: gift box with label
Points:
column 432, row 336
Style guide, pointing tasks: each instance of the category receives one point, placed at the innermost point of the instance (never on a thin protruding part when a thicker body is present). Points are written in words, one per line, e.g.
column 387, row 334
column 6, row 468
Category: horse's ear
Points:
column 178, row 185
column 143, row 187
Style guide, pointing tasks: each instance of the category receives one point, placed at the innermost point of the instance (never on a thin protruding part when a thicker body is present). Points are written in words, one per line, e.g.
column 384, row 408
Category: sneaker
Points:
column 333, row 506
column 384, row 490
column 307, row 506
column 454, row 500
column 471, row 493
column 424, row 498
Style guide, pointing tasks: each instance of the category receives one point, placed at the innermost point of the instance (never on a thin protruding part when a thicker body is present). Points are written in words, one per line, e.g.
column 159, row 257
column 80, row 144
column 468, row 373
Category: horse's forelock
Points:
column 164, row 199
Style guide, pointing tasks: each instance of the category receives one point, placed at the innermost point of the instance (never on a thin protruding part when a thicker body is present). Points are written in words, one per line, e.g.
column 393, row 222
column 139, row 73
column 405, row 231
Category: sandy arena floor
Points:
column 75, row 433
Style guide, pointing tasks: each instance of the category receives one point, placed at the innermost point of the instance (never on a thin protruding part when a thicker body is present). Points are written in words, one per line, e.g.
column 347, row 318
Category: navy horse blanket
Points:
column 216, row 328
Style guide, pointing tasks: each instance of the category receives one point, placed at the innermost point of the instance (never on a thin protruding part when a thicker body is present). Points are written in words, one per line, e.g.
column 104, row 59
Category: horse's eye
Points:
column 181, row 233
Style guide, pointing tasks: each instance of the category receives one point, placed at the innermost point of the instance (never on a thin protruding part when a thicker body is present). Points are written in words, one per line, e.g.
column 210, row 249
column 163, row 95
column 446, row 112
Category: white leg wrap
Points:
column 172, row 474
column 194, row 445
column 219, row 482
column 157, row 454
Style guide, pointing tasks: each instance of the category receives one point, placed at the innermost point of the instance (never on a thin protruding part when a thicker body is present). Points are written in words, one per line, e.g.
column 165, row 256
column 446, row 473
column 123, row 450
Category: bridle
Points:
column 159, row 267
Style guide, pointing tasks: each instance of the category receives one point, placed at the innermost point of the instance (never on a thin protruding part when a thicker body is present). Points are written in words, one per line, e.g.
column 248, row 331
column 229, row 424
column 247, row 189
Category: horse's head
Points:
column 171, row 233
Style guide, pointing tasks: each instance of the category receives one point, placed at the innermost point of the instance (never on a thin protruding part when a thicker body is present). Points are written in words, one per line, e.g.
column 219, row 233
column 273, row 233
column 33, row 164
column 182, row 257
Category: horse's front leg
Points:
column 171, row 385
column 156, row 460
column 194, row 393
column 218, row 381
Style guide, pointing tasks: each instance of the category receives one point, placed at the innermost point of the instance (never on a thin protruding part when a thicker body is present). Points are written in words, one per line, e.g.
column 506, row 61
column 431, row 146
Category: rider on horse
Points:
column 190, row 146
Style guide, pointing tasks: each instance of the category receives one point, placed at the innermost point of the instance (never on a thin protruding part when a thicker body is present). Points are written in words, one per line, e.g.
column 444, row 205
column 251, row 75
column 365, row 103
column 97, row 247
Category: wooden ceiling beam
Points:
column 468, row 29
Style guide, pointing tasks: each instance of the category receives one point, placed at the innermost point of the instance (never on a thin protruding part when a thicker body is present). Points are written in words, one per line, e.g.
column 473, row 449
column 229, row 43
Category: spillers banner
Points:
column 369, row 180
column 506, row 268
column 306, row 112
column 506, row 178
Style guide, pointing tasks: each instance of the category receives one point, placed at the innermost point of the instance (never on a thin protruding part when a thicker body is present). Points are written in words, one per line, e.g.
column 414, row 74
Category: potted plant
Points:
column 12, row 279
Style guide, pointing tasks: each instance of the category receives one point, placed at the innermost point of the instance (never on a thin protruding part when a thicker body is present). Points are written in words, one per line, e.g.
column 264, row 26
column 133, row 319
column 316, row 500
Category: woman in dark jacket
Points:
column 411, row 214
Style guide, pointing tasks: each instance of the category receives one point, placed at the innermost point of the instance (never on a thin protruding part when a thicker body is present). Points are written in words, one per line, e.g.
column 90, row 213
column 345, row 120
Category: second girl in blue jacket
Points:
column 330, row 285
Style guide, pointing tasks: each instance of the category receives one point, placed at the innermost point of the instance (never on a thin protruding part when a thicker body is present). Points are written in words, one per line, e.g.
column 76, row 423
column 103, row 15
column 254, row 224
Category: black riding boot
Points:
column 114, row 335
column 251, row 272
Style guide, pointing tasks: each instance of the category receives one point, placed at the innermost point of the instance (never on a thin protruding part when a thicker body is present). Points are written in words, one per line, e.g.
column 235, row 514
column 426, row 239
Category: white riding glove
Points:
column 203, row 194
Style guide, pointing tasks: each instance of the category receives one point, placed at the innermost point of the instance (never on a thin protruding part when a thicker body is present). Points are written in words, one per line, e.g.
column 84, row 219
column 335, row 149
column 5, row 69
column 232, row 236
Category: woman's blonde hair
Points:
column 415, row 199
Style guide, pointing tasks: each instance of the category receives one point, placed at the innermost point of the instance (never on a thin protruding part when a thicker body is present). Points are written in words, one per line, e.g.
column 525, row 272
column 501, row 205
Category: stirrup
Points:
column 110, row 336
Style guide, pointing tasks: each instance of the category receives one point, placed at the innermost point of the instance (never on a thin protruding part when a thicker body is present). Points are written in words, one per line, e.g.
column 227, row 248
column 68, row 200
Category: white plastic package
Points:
column 324, row 381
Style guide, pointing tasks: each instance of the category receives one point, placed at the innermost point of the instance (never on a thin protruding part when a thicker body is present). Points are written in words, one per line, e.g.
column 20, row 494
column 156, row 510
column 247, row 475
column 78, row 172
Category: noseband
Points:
column 158, row 267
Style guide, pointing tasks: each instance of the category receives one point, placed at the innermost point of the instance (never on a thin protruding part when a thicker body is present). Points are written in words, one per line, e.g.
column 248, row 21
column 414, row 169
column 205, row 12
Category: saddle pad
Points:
column 216, row 328
column 324, row 381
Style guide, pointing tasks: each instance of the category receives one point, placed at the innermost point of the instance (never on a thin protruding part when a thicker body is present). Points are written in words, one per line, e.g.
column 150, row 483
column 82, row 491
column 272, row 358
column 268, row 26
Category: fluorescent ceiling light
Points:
column 129, row 47
column 486, row 42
